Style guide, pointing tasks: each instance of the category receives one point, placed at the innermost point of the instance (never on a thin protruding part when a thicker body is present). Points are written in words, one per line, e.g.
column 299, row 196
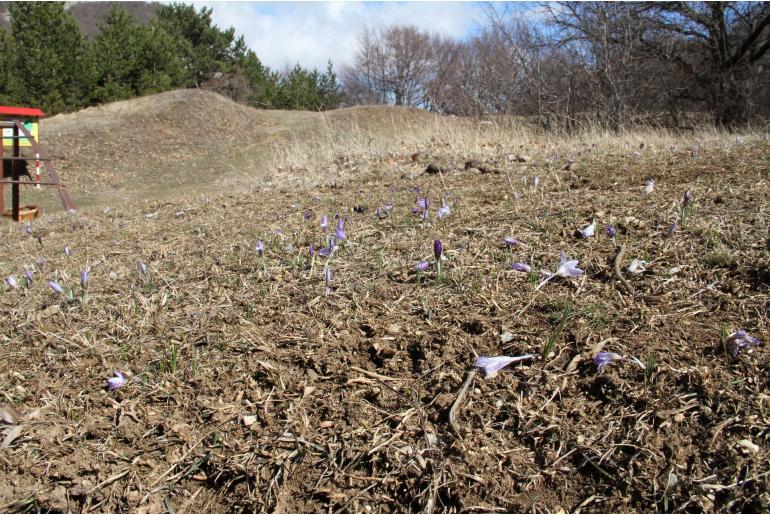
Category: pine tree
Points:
column 7, row 75
column 203, row 47
column 51, row 58
column 117, row 53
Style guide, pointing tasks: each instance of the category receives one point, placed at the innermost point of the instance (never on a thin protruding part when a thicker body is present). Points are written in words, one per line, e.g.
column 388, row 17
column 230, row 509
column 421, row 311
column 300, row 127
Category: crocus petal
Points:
column 422, row 266
column 84, row 278
column 510, row 241
column 589, row 230
column 55, row 287
column 11, row 281
column 569, row 269
column 739, row 340
column 142, row 268
column 443, row 211
column 339, row 233
column 611, row 231
column 521, row 267
column 492, row 365
column 116, row 381
column 438, row 249
column 324, row 221
column 260, row 248
column 327, row 275
column 602, row 359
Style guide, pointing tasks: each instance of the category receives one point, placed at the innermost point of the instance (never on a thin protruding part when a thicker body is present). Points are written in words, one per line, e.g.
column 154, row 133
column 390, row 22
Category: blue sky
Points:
column 285, row 33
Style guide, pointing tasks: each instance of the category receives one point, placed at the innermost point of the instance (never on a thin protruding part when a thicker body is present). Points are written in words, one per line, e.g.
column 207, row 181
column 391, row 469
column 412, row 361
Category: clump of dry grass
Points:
column 253, row 386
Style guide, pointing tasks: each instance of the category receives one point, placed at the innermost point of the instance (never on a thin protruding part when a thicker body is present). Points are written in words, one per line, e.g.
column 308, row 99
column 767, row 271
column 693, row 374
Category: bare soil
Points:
column 254, row 386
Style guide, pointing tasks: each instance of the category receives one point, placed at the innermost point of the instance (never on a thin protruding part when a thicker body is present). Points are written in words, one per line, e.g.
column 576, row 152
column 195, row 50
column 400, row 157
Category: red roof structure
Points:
column 32, row 112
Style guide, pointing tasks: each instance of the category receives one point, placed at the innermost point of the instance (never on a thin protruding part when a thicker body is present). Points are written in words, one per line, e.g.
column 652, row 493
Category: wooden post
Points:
column 15, row 168
column 2, row 186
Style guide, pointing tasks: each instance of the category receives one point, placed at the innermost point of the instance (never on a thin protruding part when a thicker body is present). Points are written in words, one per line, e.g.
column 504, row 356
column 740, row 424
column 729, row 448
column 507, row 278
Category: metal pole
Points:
column 15, row 176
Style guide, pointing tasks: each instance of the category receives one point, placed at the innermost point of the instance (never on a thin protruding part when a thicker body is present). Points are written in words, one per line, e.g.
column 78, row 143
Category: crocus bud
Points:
column 438, row 249
column 687, row 198
column 11, row 281
column 611, row 232
column 84, row 279
column 55, row 287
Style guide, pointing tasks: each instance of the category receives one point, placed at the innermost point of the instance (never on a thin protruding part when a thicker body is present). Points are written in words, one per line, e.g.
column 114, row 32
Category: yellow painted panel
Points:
column 31, row 125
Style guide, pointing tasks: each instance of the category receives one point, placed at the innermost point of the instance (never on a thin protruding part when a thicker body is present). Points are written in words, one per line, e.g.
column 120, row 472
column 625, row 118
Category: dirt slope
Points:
column 189, row 141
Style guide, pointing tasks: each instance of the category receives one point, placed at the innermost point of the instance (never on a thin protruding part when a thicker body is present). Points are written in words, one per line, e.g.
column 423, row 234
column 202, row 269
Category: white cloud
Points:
column 310, row 33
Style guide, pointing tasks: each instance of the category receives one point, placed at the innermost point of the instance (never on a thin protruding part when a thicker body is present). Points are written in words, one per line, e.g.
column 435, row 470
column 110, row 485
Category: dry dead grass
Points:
column 253, row 387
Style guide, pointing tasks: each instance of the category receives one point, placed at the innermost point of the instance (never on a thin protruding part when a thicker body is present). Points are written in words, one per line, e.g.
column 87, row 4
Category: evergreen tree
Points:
column 52, row 63
column 160, row 68
column 117, row 54
column 329, row 89
column 203, row 47
column 7, row 75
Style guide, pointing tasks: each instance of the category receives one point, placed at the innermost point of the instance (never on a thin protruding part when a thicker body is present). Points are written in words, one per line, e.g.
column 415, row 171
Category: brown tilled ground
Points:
column 252, row 386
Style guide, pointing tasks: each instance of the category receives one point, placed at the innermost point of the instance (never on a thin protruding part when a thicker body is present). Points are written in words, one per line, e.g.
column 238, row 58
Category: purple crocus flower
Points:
column 438, row 249
column 492, row 365
column 339, row 233
column 327, row 275
column 55, row 287
column 535, row 182
column 687, row 199
column 388, row 207
column 611, row 231
column 116, row 381
column 11, row 281
column 589, row 230
column 604, row 358
column 423, row 203
column 260, row 248
column 568, row 268
column 27, row 229
column 510, row 241
column 422, row 266
column 67, row 250
column 28, row 277
column 327, row 251
column 311, row 250
column 443, row 211
column 324, row 221
column 379, row 213
column 521, row 267
column 142, row 268
column 739, row 340
column 84, row 279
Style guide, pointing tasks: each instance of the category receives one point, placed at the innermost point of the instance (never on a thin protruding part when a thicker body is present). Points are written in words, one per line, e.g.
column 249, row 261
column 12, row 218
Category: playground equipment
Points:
column 20, row 129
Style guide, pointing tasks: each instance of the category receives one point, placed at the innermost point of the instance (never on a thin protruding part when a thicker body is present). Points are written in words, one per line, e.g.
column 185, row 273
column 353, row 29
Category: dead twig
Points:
column 459, row 399
column 620, row 250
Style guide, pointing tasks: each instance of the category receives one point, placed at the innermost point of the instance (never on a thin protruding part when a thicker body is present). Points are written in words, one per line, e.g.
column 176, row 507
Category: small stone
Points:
column 678, row 418
column 249, row 420
column 506, row 337
column 473, row 163
column 523, row 158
